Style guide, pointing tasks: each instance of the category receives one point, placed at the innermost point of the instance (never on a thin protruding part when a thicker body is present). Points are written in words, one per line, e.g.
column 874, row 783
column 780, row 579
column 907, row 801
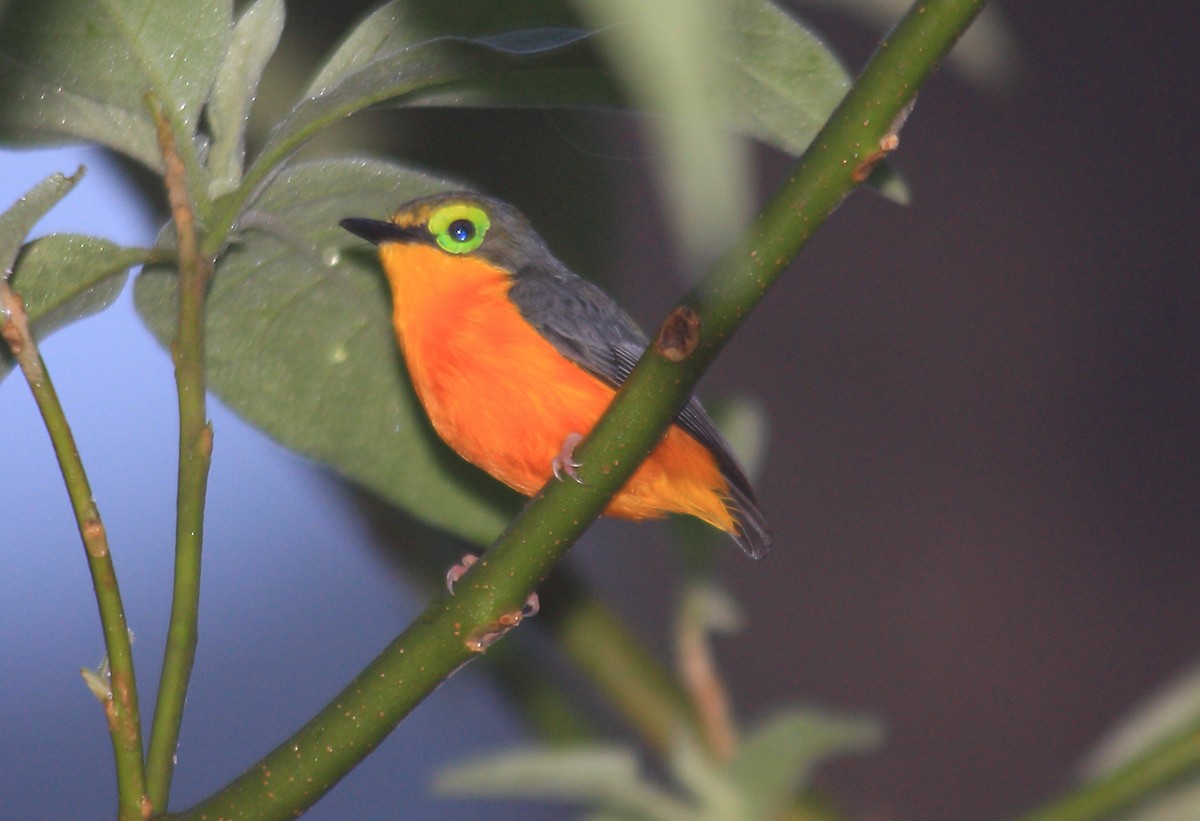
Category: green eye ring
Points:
column 459, row 229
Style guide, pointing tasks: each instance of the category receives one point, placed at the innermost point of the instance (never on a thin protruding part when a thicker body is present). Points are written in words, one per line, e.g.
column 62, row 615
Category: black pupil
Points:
column 461, row 230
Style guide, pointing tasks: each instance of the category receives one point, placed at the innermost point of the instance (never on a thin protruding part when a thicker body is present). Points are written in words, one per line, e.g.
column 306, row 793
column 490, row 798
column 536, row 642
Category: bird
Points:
column 514, row 358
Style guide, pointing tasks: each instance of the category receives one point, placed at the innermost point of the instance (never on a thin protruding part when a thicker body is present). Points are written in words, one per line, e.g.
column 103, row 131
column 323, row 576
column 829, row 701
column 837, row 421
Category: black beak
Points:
column 379, row 232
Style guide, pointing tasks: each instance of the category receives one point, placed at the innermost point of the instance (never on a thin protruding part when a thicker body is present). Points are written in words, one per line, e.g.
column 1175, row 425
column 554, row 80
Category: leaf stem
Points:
column 453, row 628
column 121, row 703
column 701, row 676
column 195, row 454
column 618, row 663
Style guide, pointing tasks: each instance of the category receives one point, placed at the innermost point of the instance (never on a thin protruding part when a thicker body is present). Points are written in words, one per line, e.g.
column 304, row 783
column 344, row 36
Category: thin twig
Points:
column 120, row 700
column 701, row 677
column 195, row 456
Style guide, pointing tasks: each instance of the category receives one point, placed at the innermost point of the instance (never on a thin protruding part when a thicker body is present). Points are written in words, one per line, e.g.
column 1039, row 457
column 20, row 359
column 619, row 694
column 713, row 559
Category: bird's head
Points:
column 460, row 224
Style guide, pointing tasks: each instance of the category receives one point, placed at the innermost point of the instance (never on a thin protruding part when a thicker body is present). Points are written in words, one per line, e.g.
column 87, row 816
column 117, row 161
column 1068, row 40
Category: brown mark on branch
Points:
column 483, row 638
column 16, row 324
column 95, row 541
column 888, row 143
column 680, row 334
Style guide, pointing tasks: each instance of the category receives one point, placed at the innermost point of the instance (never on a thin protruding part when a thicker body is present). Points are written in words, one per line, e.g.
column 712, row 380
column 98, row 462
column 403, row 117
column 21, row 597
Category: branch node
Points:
column 888, row 143
column 679, row 335
column 92, row 530
column 16, row 324
column 483, row 638
column 204, row 442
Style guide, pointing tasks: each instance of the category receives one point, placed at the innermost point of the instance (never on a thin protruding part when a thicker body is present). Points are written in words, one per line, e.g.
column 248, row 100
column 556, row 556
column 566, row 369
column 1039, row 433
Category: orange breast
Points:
column 501, row 396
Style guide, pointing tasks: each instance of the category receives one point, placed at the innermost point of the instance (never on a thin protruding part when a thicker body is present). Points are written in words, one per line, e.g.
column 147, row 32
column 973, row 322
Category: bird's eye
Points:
column 459, row 228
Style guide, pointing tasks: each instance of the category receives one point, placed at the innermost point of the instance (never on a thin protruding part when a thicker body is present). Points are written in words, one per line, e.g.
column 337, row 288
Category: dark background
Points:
column 982, row 475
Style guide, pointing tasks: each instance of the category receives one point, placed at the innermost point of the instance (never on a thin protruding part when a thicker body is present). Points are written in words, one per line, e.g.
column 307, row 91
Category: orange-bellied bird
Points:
column 515, row 358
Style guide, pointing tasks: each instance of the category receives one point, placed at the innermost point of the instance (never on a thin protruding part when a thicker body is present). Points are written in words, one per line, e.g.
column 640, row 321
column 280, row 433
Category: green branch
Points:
column 119, row 692
column 195, row 454
column 585, row 628
column 1170, row 762
column 453, row 629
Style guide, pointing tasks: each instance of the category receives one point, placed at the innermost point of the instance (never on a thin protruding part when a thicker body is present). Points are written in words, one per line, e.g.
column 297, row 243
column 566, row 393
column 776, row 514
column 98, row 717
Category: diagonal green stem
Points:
column 195, row 454
column 1172, row 761
column 121, row 704
column 447, row 634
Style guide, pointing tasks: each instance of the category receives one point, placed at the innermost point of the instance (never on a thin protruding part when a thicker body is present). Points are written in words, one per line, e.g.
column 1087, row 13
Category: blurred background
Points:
column 982, row 473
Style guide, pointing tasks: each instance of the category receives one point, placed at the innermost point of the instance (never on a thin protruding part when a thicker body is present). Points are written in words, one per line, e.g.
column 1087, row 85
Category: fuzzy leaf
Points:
column 400, row 25
column 254, row 40
column 81, row 69
column 717, row 797
column 18, row 220
column 408, row 75
column 1180, row 803
column 704, row 168
column 1161, row 715
column 65, row 277
column 780, row 82
column 300, row 343
column 775, row 760
column 591, row 776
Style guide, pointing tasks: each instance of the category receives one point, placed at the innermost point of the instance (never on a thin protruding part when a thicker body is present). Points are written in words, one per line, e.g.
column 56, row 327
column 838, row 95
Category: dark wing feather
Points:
column 587, row 326
column 581, row 321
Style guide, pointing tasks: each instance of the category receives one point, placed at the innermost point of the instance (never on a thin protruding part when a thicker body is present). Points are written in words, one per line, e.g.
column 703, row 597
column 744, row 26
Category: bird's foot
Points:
column 459, row 570
column 564, row 462
column 483, row 638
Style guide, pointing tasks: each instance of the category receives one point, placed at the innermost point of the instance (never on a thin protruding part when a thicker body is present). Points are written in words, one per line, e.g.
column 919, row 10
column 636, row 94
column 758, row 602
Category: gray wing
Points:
column 581, row 321
column 587, row 326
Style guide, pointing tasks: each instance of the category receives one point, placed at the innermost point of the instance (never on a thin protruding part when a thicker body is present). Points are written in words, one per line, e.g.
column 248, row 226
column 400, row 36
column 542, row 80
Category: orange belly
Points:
column 505, row 400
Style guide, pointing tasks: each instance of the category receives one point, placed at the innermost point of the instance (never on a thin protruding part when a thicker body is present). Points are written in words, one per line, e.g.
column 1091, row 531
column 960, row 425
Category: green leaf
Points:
column 594, row 776
column 81, row 69
column 65, row 277
column 704, row 168
column 407, row 75
column 254, row 40
column 401, row 24
column 300, row 343
column 779, row 82
column 765, row 778
column 774, row 762
column 1164, row 713
column 1179, row 803
column 717, row 796
column 18, row 221
column 782, row 84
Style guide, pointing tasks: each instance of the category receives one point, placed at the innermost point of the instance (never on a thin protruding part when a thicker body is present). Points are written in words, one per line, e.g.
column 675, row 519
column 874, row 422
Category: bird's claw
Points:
column 459, row 570
column 483, row 638
column 564, row 462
